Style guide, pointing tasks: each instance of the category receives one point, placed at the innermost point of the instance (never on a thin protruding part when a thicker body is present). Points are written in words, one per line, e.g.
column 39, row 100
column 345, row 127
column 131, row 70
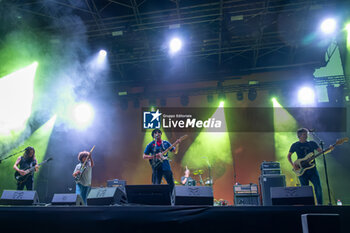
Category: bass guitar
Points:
column 308, row 161
column 30, row 171
column 83, row 167
column 158, row 160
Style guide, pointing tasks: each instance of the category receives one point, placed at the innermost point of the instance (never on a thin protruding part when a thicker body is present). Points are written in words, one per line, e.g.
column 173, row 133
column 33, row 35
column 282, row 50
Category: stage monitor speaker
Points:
column 247, row 199
column 149, row 194
column 67, row 199
column 106, row 196
column 193, row 195
column 268, row 181
column 292, row 195
column 17, row 197
column 320, row 223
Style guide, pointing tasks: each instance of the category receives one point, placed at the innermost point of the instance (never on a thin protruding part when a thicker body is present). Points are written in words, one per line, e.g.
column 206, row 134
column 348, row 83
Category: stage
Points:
column 143, row 218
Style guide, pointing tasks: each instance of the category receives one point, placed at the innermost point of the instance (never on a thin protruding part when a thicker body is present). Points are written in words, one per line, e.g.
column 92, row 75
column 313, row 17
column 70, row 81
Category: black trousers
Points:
column 158, row 174
column 28, row 184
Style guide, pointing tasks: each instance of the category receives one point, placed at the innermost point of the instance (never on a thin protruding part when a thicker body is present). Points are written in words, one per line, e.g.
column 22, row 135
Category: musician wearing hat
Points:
column 22, row 167
column 158, row 160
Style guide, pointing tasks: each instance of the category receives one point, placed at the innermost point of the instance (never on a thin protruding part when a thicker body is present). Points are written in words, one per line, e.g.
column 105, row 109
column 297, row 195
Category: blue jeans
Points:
column 313, row 176
column 83, row 191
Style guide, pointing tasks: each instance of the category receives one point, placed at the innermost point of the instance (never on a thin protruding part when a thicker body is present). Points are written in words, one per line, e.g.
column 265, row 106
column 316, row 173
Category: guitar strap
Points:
column 155, row 147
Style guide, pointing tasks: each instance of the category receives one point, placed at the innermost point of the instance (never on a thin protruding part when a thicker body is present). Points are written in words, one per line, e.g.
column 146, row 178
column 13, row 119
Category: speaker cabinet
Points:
column 246, row 199
column 292, row 195
column 17, row 197
column 149, row 194
column 268, row 181
column 67, row 199
column 320, row 223
column 106, row 196
column 193, row 195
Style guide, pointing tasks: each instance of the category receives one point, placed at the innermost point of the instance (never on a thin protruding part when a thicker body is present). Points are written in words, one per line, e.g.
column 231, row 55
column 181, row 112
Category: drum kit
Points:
column 207, row 181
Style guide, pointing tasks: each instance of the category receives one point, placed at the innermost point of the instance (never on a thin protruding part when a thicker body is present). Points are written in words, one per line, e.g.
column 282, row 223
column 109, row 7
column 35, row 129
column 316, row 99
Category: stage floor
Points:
column 241, row 219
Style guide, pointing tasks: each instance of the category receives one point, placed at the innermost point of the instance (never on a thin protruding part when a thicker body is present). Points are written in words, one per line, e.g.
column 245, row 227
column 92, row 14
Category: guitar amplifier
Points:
column 117, row 183
column 270, row 165
column 246, row 199
column 245, row 189
column 271, row 172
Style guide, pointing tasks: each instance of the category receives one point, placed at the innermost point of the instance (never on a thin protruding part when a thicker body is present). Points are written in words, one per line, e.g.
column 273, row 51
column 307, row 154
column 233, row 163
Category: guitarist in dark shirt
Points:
column 302, row 148
column 22, row 164
column 153, row 154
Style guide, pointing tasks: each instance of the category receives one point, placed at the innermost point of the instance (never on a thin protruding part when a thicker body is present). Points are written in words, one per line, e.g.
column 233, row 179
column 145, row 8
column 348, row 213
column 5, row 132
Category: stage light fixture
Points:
column 222, row 96
column 152, row 101
column 252, row 94
column 175, row 45
column 306, row 96
column 239, row 96
column 83, row 114
column 328, row 26
column 103, row 53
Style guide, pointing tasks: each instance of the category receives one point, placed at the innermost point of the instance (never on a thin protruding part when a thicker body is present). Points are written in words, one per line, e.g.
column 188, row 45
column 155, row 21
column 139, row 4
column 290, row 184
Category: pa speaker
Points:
column 17, row 197
column 292, row 195
column 149, row 194
column 106, row 196
column 320, row 223
column 247, row 199
column 67, row 199
column 193, row 195
column 268, row 181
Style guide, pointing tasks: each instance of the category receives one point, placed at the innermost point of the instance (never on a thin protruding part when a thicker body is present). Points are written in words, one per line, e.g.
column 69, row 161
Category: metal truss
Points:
column 227, row 37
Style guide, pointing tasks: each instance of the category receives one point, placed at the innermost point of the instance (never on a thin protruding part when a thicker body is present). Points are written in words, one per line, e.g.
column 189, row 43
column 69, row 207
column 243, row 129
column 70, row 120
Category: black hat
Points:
column 156, row 131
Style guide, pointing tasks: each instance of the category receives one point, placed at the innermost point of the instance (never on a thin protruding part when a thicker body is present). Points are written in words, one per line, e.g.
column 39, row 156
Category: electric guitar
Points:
column 30, row 171
column 83, row 167
column 155, row 162
column 308, row 161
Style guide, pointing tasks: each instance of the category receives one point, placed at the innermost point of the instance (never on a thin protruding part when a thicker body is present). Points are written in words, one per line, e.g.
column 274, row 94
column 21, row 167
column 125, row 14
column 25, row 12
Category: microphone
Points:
column 311, row 130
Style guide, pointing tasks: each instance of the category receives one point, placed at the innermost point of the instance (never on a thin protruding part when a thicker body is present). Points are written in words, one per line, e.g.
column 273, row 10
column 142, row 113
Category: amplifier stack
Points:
column 270, row 177
column 246, row 194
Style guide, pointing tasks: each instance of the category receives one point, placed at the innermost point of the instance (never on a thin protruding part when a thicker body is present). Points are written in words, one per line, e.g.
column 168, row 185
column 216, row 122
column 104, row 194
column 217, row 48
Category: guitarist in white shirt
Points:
column 302, row 148
column 83, row 184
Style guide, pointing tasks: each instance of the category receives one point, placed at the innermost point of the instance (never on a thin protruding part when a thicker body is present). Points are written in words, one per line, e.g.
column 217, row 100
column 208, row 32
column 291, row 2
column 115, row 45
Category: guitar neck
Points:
column 169, row 148
column 320, row 153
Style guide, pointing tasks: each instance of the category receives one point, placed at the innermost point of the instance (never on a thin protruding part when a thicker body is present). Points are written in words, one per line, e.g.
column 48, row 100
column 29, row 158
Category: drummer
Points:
column 187, row 180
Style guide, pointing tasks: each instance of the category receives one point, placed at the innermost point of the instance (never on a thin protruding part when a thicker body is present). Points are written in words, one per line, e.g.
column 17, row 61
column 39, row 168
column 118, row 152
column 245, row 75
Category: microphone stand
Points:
column 11, row 155
column 325, row 166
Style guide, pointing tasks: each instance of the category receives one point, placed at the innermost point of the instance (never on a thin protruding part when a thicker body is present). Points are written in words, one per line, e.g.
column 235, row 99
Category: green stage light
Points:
column 210, row 148
column 285, row 127
column 222, row 103
column 16, row 97
column 347, row 27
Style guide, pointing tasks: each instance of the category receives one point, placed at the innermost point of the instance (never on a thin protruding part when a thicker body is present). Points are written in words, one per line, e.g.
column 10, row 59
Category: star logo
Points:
column 156, row 115
column 151, row 120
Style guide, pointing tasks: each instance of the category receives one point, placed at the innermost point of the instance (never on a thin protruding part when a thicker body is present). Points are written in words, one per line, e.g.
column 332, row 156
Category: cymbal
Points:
column 198, row 172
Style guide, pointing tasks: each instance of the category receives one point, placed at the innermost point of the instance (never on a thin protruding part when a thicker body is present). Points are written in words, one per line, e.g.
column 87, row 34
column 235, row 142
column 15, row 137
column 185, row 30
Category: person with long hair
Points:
column 22, row 164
